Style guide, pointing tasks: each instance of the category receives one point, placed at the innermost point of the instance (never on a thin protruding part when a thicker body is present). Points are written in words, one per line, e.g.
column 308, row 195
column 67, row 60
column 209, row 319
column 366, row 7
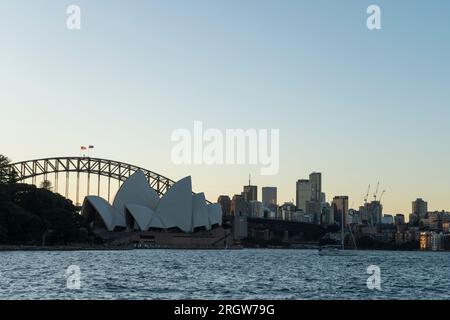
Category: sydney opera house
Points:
column 139, row 215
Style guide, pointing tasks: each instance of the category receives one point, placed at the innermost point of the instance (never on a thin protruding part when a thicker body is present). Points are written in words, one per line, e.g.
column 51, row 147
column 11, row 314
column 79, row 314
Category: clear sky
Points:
column 359, row 106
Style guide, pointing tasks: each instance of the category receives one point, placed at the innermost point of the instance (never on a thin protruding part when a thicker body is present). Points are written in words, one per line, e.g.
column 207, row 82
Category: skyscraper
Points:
column 250, row 193
column 420, row 208
column 315, row 179
column 340, row 209
column 225, row 203
column 269, row 196
column 238, row 205
column 376, row 213
column 303, row 194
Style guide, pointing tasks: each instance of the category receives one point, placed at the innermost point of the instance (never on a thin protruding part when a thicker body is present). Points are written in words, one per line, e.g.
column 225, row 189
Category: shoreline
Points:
column 6, row 248
column 60, row 248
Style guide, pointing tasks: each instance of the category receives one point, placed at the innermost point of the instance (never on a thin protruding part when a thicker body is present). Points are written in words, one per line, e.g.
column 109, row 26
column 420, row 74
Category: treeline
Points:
column 37, row 216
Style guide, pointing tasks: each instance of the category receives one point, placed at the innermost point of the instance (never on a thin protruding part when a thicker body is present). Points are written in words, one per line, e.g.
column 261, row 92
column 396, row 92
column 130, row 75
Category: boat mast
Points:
column 342, row 230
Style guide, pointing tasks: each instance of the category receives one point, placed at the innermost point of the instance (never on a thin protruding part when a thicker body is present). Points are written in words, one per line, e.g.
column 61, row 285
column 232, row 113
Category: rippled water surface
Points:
column 226, row 274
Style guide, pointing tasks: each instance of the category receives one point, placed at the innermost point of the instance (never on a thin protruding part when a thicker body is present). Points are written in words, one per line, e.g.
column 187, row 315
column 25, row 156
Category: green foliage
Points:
column 29, row 214
column 5, row 175
column 4, row 161
column 46, row 184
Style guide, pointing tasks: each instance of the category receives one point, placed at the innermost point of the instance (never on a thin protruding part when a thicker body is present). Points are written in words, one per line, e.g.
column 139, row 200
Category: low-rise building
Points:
column 387, row 219
column 399, row 219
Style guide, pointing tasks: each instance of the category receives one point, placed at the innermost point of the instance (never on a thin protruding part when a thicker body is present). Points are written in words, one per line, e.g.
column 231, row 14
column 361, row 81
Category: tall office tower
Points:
column 327, row 214
column 376, row 212
column 323, row 197
column 364, row 213
column 238, row 205
column 314, row 210
column 340, row 209
column 250, row 193
column 303, row 194
column 315, row 179
column 269, row 196
column 225, row 203
column 420, row 208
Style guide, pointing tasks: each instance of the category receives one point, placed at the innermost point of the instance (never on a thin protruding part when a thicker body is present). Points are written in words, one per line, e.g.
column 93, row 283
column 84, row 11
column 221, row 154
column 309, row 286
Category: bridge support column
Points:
column 98, row 185
column 78, row 189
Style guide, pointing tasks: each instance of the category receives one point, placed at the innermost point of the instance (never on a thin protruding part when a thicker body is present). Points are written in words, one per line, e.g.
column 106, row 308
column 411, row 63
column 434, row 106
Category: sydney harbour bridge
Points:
column 98, row 174
column 105, row 176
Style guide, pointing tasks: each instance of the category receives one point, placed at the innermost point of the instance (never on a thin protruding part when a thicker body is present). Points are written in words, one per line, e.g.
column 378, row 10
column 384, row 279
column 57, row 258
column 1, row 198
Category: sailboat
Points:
column 338, row 250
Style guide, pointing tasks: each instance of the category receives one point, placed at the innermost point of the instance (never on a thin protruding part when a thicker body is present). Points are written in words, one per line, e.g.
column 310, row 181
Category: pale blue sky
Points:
column 357, row 105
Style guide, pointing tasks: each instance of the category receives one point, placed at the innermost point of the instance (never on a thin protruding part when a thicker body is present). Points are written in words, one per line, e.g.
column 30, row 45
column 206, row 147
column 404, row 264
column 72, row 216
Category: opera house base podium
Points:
column 217, row 238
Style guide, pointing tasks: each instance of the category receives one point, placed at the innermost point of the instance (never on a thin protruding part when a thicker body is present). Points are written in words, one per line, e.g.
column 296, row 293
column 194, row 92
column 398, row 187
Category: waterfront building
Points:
column 300, row 216
column 240, row 227
column 287, row 210
column 413, row 219
column 279, row 213
column 225, row 203
column 364, row 213
column 239, row 205
column 446, row 227
column 305, row 217
column 406, row 236
column 399, row 219
column 376, row 213
column 340, row 209
column 303, row 194
column 387, row 219
column 435, row 219
column 256, row 209
column 314, row 209
column 425, row 241
column 353, row 217
column 388, row 233
column 437, row 241
column 327, row 214
column 269, row 196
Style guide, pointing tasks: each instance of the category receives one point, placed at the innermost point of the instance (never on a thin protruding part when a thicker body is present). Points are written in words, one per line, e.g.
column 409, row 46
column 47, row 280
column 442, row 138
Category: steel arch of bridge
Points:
column 114, row 170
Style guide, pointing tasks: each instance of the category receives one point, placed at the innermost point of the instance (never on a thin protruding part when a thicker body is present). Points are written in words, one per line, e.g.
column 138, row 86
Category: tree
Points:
column 29, row 214
column 13, row 176
column 46, row 184
column 4, row 162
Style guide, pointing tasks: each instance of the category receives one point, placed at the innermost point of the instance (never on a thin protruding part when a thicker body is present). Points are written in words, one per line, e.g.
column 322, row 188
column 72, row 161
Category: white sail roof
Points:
column 177, row 208
column 136, row 190
column 200, row 211
column 215, row 213
column 111, row 218
column 142, row 215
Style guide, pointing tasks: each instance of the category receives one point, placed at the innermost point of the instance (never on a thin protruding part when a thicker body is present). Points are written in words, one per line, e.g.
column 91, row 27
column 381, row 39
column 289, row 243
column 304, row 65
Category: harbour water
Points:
column 223, row 274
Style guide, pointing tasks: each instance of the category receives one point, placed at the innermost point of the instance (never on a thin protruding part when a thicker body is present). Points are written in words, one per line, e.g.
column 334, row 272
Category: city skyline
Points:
column 358, row 106
column 308, row 201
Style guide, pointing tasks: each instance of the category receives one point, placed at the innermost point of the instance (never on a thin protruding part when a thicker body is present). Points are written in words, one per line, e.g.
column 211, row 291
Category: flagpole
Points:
column 89, row 149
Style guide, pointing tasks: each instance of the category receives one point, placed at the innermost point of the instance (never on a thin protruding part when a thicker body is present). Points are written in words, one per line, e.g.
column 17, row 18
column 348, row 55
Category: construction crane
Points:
column 381, row 195
column 376, row 192
column 367, row 195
